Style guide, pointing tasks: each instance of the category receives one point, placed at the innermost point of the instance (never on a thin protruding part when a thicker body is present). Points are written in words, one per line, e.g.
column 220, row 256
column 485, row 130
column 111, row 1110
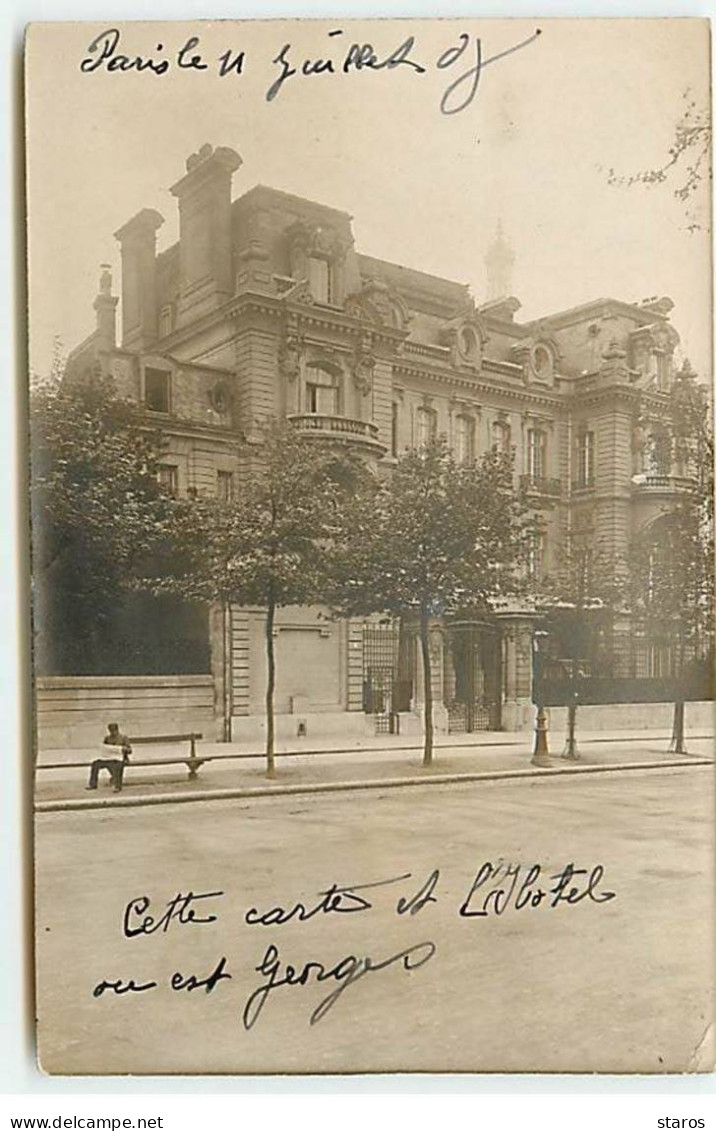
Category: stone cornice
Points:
column 519, row 393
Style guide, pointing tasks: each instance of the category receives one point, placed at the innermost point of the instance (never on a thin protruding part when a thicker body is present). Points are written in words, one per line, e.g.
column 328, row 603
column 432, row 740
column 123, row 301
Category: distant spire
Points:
column 500, row 261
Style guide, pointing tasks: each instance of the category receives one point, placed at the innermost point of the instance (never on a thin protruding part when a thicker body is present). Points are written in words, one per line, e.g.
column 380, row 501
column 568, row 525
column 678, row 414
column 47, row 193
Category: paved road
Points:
column 595, row 986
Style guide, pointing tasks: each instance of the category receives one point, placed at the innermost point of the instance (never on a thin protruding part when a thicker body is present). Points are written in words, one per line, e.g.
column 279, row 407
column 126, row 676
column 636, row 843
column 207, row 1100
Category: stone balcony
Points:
column 541, row 486
column 650, row 484
column 340, row 429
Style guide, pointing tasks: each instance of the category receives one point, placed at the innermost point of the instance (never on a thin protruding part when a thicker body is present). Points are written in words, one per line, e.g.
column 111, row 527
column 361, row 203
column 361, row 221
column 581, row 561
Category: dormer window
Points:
column 469, row 346
column 542, row 361
column 319, row 279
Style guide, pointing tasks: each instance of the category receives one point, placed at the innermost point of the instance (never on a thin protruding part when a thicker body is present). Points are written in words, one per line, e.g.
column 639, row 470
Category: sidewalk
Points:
column 388, row 759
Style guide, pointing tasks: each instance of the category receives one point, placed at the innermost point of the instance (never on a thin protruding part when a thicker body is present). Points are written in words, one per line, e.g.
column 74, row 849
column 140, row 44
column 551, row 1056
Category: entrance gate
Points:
column 387, row 674
column 472, row 691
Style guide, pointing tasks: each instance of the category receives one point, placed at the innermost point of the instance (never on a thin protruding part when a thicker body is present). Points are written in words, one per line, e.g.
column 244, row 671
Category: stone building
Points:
column 265, row 307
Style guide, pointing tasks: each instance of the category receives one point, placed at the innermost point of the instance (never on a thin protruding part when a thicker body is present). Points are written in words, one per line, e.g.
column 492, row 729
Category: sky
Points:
column 427, row 189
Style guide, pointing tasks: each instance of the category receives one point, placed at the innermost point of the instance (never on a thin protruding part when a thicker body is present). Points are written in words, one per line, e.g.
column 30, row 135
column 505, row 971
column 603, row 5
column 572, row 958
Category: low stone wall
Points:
column 698, row 717
column 73, row 711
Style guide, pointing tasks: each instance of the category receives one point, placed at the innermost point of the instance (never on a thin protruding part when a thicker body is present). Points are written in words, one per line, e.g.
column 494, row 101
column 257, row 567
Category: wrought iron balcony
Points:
column 342, row 429
column 540, row 485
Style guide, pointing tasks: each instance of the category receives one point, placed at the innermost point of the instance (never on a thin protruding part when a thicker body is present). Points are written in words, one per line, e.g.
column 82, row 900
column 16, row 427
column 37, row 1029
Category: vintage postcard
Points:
column 372, row 537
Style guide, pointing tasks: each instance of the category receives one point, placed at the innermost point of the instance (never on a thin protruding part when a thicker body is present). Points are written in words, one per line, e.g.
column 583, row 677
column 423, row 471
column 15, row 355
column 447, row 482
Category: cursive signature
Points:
column 345, row 973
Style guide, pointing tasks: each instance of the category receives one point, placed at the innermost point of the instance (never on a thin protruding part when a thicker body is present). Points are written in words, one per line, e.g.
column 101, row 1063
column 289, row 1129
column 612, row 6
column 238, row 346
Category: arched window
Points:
column 536, row 453
column 465, row 439
column 501, row 435
column 427, row 426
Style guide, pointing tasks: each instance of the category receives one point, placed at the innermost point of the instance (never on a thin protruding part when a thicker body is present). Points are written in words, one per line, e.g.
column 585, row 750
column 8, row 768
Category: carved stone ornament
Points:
column 220, row 397
column 289, row 357
column 363, row 365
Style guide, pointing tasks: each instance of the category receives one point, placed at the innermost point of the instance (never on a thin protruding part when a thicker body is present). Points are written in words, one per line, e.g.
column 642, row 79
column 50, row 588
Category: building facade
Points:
column 266, row 308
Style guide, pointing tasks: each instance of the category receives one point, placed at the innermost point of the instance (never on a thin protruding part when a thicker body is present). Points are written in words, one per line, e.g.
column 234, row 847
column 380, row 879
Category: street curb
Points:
column 248, row 792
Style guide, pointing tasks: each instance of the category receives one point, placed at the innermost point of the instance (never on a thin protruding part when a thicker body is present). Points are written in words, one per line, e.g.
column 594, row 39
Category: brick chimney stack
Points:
column 205, row 252
column 138, row 244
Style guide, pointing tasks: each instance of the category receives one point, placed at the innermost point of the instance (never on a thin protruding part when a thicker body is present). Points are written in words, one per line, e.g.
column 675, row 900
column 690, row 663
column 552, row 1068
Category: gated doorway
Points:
column 472, row 691
column 388, row 651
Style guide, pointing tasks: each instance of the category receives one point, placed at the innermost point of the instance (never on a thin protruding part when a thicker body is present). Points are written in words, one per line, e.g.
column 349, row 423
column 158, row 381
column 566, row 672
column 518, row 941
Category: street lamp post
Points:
column 570, row 752
column 540, row 752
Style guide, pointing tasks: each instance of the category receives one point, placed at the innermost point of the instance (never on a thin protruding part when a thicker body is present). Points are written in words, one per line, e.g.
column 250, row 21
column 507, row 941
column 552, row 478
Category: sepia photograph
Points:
column 371, row 494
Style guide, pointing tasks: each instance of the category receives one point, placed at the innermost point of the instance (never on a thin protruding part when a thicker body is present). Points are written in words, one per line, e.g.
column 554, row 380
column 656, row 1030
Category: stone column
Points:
column 517, row 708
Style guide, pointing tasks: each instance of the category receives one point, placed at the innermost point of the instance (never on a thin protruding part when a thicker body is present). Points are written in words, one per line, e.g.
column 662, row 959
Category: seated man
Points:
column 114, row 766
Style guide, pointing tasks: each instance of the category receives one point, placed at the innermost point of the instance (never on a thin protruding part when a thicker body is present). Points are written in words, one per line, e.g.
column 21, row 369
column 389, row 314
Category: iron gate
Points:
column 472, row 691
column 387, row 674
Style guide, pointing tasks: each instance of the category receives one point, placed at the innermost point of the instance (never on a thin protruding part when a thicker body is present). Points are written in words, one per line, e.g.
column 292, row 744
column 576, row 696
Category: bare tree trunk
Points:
column 427, row 680
column 676, row 746
column 227, row 672
column 270, row 686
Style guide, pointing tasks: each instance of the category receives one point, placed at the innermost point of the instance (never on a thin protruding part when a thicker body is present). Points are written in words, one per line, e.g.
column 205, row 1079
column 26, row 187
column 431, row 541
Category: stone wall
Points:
column 73, row 711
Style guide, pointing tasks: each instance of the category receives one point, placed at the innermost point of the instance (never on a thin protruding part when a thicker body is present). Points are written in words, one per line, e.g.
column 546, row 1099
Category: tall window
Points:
column 465, row 439
column 660, row 452
column 535, row 556
column 156, row 390
column 394, row 430
column 663, row 372
column 501, row 436
column 168, row 478
column 536, row 453
column 322, row 390
column 427, row 426
column 319, row 279
column 585, row 460
column 224, row 486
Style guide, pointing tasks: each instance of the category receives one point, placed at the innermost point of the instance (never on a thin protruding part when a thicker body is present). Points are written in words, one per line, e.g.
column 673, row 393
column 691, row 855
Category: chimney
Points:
column 205, row 245
column 105, row 304
column 138, row 244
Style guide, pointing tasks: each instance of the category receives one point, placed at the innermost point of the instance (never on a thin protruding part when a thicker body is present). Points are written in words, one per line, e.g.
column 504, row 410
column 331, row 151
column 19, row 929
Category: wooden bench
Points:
column 191, row 761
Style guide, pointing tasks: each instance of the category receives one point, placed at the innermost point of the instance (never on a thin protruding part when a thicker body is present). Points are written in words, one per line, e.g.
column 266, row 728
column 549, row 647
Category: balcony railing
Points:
column 674, row 484
column 342, row 428
column 540, row 485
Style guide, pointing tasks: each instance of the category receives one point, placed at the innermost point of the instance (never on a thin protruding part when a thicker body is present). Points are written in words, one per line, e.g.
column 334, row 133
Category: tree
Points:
column 432, row 539
column 687, row 164
column 268, row 546
column 579, row 601
column 94, row 500
column 672, row 566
